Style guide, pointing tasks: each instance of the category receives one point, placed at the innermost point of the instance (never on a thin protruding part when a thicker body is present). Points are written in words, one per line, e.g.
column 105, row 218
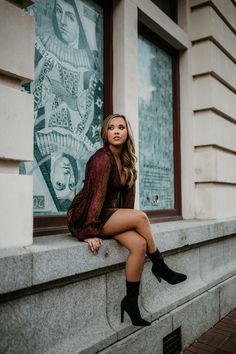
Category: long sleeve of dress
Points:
column 86, row 215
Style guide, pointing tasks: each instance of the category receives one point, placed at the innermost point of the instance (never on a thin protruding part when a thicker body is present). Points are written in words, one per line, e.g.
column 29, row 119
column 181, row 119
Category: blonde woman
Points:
column 104, row 208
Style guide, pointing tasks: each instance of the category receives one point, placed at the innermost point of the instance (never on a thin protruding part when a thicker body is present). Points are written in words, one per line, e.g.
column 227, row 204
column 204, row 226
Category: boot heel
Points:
column 159, row 279
column 121, row 315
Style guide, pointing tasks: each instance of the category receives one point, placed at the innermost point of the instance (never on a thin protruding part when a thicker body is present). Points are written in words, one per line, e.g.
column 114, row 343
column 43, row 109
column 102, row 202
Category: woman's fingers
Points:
column 94, row 244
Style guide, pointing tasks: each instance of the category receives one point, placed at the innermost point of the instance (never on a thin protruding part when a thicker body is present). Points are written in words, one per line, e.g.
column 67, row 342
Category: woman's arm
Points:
column 95, row 187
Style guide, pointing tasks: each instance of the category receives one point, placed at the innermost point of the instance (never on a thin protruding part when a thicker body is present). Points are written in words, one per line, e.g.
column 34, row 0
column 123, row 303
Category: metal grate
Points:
column 172, row 342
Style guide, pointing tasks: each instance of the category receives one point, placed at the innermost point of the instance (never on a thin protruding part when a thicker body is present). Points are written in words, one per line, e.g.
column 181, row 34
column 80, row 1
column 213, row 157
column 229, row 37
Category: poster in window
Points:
column 156, row 175
column 68, row 98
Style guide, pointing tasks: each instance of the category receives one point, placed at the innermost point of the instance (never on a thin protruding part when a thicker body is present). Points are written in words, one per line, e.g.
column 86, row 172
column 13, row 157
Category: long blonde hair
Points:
column 128, row 157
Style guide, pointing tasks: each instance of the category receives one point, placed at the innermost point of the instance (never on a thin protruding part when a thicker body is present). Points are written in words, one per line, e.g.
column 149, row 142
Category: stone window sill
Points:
column 52, row 258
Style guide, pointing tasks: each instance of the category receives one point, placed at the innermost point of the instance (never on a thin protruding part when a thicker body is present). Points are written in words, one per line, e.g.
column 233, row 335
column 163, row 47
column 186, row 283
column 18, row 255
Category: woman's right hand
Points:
column 94, row 244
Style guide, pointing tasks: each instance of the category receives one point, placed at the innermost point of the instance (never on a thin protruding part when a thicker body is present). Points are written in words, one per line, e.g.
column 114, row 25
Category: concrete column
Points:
column 16, row 133
column 125, row 70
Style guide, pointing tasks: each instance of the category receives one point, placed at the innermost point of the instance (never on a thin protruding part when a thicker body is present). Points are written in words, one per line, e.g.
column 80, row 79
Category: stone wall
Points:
column 16, row 133
column 212, row 31
column 56, row 297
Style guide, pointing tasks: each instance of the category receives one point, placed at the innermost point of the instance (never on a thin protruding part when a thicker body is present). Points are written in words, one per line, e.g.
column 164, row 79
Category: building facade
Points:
column 169, row 66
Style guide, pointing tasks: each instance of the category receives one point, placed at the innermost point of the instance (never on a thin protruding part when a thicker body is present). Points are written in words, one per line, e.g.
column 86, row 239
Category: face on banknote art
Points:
column 68, row 98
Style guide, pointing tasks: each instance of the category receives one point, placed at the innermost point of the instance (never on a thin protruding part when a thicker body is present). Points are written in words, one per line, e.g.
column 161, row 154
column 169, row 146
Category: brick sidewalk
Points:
column 220, row 339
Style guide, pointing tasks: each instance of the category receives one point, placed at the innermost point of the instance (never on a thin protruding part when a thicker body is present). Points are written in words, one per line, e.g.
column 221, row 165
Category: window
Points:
column 70, row 89
column 159, row 150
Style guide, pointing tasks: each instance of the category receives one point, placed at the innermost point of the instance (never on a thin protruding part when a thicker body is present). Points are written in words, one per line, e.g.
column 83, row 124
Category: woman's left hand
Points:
column 94, row 244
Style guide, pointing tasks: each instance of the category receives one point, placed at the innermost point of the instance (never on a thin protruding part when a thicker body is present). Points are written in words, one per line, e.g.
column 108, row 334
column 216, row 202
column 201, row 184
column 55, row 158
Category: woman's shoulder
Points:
column 102, row 154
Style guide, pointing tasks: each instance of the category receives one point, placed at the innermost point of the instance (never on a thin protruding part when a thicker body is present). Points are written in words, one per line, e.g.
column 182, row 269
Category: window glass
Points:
column 156, row 160
column 68, row 99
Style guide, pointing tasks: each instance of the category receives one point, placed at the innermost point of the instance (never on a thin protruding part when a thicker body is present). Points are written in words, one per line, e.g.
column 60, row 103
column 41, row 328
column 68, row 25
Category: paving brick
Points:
column 213, row 339
column 204, row 347
column 220, row 339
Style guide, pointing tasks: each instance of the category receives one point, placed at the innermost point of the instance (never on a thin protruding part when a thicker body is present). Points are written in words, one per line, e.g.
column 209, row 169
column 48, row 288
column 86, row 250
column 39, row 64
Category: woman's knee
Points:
column 139, row 246
column 141, row 217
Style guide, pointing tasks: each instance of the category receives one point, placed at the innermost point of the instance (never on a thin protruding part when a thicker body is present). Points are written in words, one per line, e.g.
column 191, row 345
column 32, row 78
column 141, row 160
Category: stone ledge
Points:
column 54, row 257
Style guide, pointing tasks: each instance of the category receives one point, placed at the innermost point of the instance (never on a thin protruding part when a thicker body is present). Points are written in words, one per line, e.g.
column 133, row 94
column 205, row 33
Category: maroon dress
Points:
column 101, row 195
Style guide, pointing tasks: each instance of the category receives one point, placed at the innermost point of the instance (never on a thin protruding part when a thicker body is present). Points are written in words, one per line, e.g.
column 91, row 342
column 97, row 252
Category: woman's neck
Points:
column 116, row 151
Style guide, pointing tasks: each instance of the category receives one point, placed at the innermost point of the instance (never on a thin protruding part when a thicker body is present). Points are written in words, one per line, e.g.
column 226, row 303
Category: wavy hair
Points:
column 128, row 157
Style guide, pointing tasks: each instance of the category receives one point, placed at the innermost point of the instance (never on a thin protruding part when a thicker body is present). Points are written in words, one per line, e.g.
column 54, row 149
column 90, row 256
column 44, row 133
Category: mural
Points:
column 68, row 98
column 155, row 127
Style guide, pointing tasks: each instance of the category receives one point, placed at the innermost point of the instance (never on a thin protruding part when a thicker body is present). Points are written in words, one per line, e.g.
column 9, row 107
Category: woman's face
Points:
column 62, row 177
column 117, row 131
column 67, row 22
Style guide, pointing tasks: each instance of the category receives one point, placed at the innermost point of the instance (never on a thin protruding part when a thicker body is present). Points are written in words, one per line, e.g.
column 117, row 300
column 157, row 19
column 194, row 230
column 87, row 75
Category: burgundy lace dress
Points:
column 101, row 195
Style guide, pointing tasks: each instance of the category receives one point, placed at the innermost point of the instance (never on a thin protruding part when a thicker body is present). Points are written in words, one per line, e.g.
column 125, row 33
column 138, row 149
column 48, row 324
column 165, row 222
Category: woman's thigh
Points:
column 122, row 220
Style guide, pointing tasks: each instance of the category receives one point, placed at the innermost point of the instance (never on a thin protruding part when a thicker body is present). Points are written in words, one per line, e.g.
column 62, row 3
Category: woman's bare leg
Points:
column 130, row 219
column 136, row 245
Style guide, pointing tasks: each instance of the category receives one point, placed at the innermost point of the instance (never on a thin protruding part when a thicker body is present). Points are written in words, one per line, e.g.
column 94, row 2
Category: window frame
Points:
column 176, row 213
column 56, row 224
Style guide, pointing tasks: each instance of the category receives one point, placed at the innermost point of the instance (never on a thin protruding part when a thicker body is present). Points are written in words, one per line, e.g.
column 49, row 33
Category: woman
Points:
column 104, row 208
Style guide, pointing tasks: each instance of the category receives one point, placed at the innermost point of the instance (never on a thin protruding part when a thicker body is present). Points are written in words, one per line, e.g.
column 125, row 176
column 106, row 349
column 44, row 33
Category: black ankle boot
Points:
column 162, row 271
column 130, row 305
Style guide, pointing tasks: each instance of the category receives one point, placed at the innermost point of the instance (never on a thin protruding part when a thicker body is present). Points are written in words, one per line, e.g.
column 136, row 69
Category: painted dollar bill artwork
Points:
column 68, row 98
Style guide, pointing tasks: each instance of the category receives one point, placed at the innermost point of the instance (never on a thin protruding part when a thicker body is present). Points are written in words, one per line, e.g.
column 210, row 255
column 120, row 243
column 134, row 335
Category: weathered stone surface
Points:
column 227, row 296
column 58, row 257
column 147, row 340
column 15, row 269
column 69, row 319
column 116, row 290
column 197, row 316
column 217, row 260
column 160, row 298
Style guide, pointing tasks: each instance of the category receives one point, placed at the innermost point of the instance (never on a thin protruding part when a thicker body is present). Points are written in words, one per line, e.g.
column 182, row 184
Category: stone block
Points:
column 16, row 134
column 227, row 296
column 215, row 201
column 211, row 26
column 212, row 129
column 173, row 235
column 214, row 165
column 16, row 268
column 209, row 93
column 116, row 290
column 160, row 298
column 207, row 58
column 226, row 8
column 70, row 319
column 16, row 42
column 217, row 261
column 148, row 340
column 197, row 316
column 16, row 210
column 58, row 257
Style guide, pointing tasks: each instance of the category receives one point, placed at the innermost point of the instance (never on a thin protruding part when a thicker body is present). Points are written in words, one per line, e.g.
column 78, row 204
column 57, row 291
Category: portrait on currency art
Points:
column 156, row 162
column 68, row 98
